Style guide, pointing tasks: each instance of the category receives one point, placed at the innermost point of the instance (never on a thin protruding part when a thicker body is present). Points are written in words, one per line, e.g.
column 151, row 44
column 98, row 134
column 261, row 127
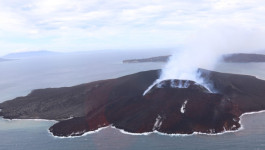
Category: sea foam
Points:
column 148, row 133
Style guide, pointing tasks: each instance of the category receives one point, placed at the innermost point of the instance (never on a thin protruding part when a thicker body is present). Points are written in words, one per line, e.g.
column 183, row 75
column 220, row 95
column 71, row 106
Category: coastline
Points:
column 46, row 120
column 141, row 134
column 85, row 133
column 156, row 132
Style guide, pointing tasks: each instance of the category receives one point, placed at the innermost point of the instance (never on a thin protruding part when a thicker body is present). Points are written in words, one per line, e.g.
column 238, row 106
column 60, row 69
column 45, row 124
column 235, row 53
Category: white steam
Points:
column 205, row 48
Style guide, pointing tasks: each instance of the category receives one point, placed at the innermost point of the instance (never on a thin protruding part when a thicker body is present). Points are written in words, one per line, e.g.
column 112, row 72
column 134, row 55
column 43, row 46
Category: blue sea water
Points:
column 19, row 77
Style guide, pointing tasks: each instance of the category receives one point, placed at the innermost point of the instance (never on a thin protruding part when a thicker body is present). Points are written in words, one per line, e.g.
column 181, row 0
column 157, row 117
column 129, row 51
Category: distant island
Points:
column 151, row 59
column 165, row 108
column 30, row 54
column 244, row 58
column 2, row 59
column 232, row 58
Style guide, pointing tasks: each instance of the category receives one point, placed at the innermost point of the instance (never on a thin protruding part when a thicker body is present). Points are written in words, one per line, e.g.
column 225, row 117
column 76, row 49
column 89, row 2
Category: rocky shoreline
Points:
column 166, row 108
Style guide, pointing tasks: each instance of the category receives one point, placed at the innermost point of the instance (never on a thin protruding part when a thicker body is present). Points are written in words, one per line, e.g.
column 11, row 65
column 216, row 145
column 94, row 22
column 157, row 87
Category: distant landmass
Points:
column 166, row 108
column 244, row 58
column 233, row 58
column 2, row 59
column 30, row 54
column 151, row 59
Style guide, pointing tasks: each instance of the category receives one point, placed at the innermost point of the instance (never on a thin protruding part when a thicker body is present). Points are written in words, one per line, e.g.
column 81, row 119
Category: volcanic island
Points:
column 166, row 108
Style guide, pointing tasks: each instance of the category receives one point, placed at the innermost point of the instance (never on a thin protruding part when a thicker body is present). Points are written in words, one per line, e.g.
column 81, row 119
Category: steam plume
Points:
column 205, row 48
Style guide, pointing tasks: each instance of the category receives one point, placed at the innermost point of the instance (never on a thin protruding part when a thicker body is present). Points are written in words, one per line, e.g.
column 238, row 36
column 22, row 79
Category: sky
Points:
column 83, row 25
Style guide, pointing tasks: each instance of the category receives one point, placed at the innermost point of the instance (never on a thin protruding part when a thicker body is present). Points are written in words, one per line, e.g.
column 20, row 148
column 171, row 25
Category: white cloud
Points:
column 34, row 24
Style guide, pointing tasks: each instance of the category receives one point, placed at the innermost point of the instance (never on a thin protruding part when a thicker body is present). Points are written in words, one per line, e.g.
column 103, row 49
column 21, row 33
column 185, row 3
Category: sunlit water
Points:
column 19, row 77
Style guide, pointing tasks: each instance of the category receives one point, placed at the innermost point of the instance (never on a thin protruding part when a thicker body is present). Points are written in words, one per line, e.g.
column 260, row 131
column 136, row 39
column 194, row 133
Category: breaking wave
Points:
column 164, row 134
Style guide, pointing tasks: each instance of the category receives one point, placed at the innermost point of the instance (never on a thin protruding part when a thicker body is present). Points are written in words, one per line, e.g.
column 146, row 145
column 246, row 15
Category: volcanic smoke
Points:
column 204, row 50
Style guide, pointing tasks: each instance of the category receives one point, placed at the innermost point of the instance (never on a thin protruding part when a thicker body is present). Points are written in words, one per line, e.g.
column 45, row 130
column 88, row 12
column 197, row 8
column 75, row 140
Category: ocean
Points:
column 19, row 77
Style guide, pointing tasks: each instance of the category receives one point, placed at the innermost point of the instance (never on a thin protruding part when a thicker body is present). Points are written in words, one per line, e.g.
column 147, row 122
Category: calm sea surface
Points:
column 19, row 77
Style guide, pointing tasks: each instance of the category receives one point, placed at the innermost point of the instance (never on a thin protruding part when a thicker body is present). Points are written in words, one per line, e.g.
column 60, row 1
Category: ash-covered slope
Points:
column 76, row 101
column 247, row 92
column 166, row 108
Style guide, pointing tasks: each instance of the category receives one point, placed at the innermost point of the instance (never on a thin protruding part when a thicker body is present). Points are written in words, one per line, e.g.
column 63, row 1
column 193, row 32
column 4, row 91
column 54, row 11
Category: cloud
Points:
column 48, row 24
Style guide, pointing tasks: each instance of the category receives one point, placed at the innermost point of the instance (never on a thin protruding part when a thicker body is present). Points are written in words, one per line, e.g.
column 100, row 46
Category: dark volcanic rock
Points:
column 52, row 103
column 167, row 108
column 203, row 111
column 247, row 92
